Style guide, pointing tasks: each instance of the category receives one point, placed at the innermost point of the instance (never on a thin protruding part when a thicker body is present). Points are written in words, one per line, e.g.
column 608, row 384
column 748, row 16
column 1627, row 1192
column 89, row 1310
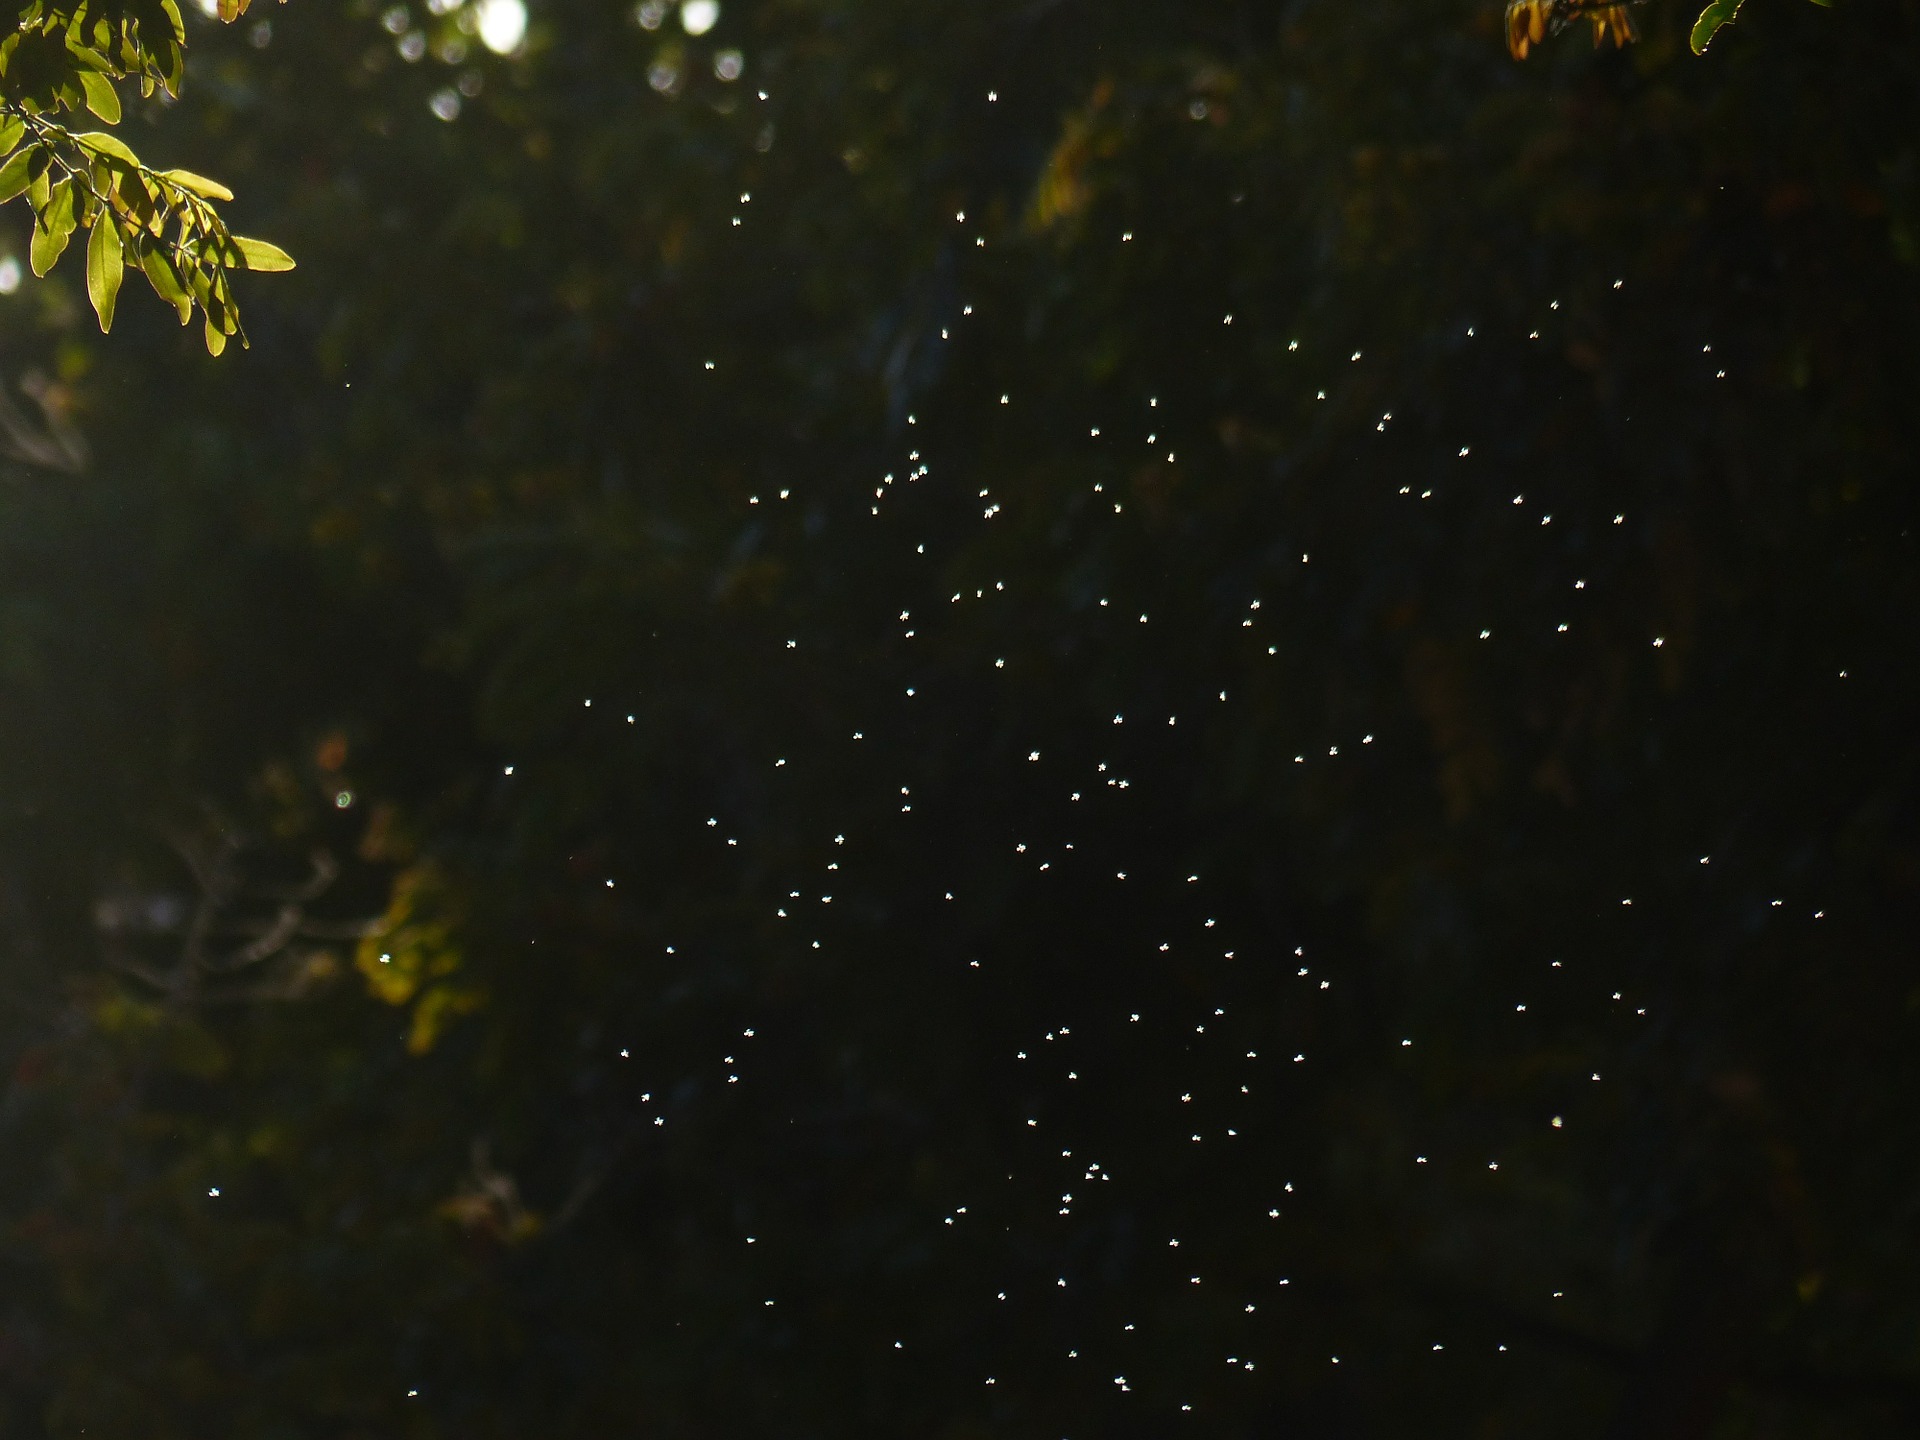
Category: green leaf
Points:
column 136, row 203
column 169, row 62
column 105, row 266
column 166, row 282
column 43, row 252
column 1718, row 13
column 197, row 184
column 259, row 255
column 54, row 227
column 102, row 99
column 11, row 129
column 16, row 175
column 102, row 143
column 216, row 339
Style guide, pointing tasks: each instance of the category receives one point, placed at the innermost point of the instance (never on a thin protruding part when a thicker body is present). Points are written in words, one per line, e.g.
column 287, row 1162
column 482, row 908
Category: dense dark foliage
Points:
column 1439, row 529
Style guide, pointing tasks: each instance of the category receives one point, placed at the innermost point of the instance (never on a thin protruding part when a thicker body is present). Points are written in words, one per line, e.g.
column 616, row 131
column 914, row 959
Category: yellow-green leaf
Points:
column 102, row 99
column 166, row 282
column 260, row 255
column 197, row 184
column 54, row 225
column 11, row 129
column 43, row 251
column 105, row 266
column 216, row 339
column 16, row 175
column 102, row 143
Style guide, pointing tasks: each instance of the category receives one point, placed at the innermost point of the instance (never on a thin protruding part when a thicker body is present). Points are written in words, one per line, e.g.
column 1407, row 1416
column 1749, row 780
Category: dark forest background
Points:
column 1440, row 528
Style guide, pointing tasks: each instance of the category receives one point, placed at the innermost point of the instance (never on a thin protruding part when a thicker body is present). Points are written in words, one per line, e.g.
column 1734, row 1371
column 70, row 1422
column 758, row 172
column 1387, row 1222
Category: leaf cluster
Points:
column 68, row 58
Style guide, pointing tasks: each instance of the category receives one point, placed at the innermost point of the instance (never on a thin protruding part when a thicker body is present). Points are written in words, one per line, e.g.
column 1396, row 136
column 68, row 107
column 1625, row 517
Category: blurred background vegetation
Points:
column 411, row 729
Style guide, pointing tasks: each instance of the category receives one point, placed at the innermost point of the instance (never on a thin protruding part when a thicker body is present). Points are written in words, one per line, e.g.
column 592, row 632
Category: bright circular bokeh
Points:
column 503, row 24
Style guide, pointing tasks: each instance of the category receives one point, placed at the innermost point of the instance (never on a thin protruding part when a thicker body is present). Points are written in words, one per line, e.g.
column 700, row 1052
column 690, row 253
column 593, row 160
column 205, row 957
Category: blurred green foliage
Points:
column 585, row 390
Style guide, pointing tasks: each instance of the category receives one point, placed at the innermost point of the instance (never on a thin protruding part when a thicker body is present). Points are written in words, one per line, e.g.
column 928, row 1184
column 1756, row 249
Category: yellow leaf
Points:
column 197, row 184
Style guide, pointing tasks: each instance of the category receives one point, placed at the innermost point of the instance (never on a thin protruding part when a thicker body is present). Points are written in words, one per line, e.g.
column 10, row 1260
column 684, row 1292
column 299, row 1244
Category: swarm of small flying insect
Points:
column 1531, row 21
